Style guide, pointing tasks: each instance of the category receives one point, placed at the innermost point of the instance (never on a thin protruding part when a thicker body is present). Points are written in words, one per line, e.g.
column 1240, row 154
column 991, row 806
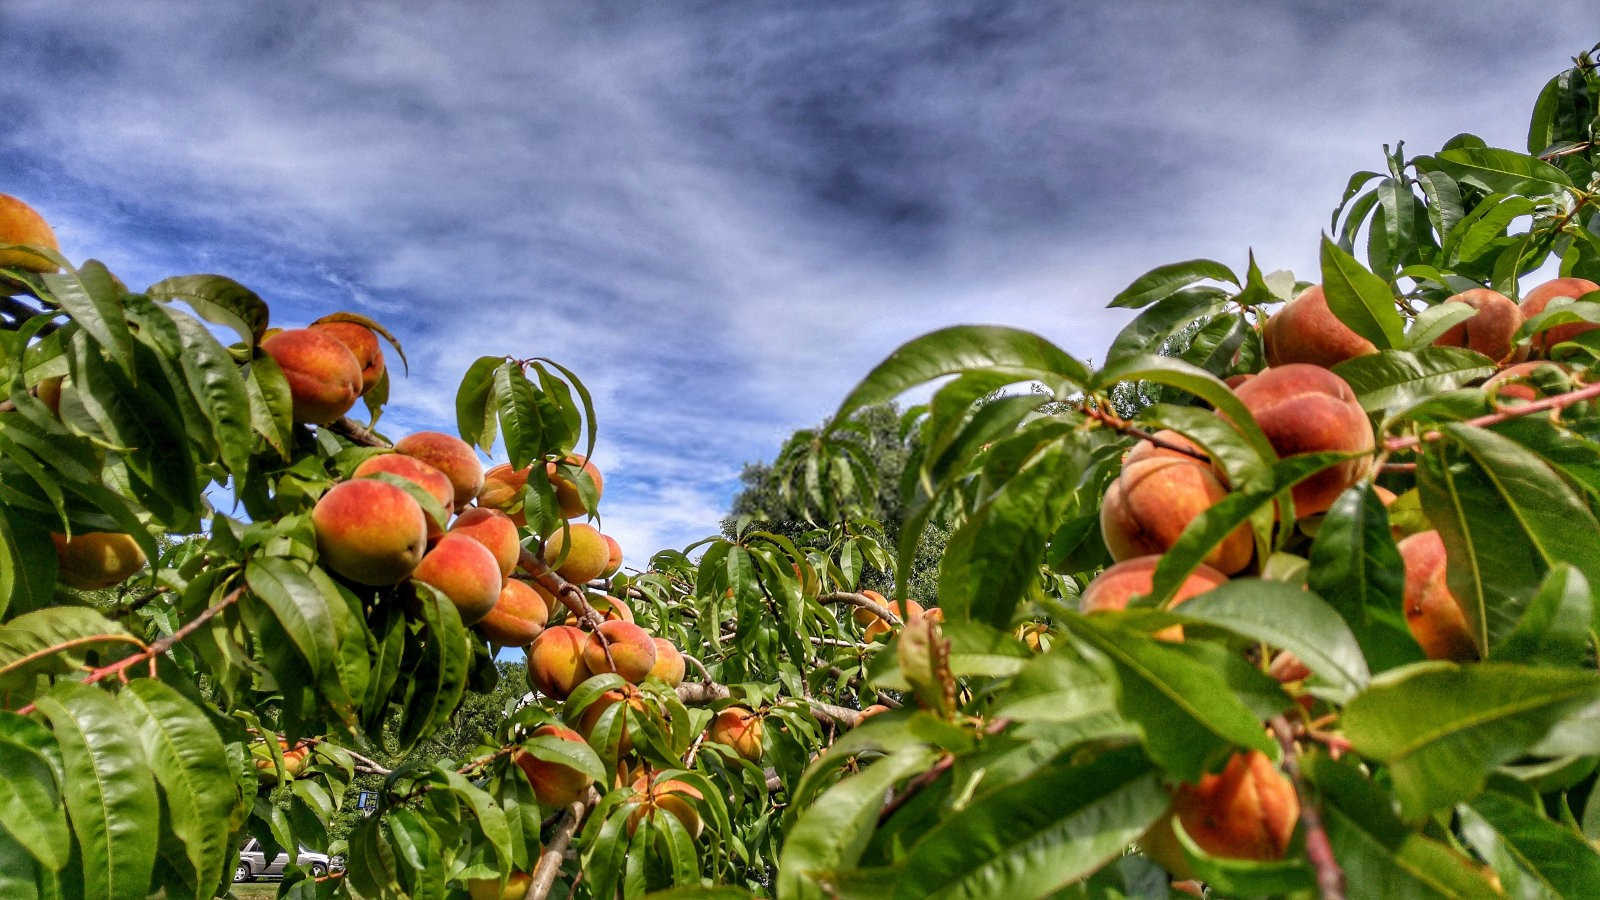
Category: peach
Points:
column 1248, row 811
column 450, row 455
column 22, row 224
column 610, row 609
column 592, row 712
column 1534, row 302
column 670, row 796
column 1113, row 588
column 555, row 661
column 1287, row 668
column 879, row 627
column 554, row 784
column 495, row 531
column 502, row 490
column 415, row 471
column 739, row 728
column 517, row 617
column 613, row 556
column 865, row 616
column 1491, row 330
column 1514, row 382
column 670, row 666
column 371, row 532
column 466, row 572
column 568, row 497
column 633, row 651
column 324, row 376
column 362, row 344
column 873, row 710
column 1146, row 450
column 584, row 561
column 1154, row 498
column 49, row 393
column 1432, row 612
column 97, row 559
column 515, row 887
column 1305, row 330
column 1307, row 409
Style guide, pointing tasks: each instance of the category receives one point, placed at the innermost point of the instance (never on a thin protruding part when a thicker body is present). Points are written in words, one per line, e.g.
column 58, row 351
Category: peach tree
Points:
column 1293, row 595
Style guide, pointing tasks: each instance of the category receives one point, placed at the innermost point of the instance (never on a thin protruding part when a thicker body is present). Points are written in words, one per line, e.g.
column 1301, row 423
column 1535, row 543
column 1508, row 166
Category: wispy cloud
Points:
column 723, row 215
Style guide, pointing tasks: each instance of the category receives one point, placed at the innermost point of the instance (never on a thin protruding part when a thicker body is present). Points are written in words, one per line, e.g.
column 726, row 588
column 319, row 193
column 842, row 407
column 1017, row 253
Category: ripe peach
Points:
column 633, row 651
column 865, row 616
column 567, row 496
column 466, row 572
column 1307, row 409
column 97, row 559
column 1146, row 450
column 515, row 888
column 415, row 471
column 518, row 616
column 1534, row 302
column 869, row 712
column 369, row 531
column 591, row 713
column 1154, row 498
column 502, row 489
column 362, row 344
column 613, row 556
column 587, row 558
column 1432, row 612
column 670, row 796
column 1491, row 329
column 555, row 661
column 324, row 376
column 450, row 455
column 1305, row 330
column 22, row 224
column 1514, row 384
column 1113, row 588
column 1248, row 811
column 739, row 728
column 554, row 784
column 880, row 627
column 495, row 531
column 670, row 666
column 610, row 609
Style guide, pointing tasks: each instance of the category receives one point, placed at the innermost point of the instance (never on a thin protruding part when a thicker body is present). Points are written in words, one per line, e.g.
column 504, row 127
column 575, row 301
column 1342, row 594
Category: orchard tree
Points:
column 1295, row 595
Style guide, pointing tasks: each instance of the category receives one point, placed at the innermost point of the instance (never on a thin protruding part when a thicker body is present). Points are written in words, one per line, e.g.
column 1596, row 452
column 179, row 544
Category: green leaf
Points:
column 520, row 422
column 572, row 754
column 218, row 386
column 53, row 641
column 1554, row 628
column 1433, row 322
column 30, row 802
column 1061, row 687
column 1020, row 354
column 1441, row 727
column 832, row 832
column 1360, row 299
column 1151, row 328
column 994, row 555
column 271, row 403
column 192, row 768
column 1162, row 281
column 1382, row 858
column 1190, row 719
column 1397, row 378
column 1288, row 618
column 217, row 299
column 110, row 795
column 1503, row 171
column 1481, row 231
column 1505, row 518
column 90, row 297
column 439, row 679
column 299, row 605
column 1558, row 858
column 1357, row 569
column 1444, row 199
column 1040, row 834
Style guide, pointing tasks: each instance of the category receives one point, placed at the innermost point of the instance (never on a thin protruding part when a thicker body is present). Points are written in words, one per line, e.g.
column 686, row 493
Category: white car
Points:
column 253, row 863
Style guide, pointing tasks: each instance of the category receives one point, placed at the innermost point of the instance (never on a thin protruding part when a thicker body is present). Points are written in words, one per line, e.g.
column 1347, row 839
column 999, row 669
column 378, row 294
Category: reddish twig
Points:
column 1123, row 426
column 159, row 647
column 68, row 645
column 1559, row 401
column 1330, row 878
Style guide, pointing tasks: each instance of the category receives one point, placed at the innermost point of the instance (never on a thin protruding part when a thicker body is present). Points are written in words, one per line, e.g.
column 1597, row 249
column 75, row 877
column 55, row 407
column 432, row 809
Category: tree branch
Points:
column 1122, row 426
column 570, row 595
column 863, row 602
column 357, row 433
column 1559, row 401
column 828, row 712
column 555, row 849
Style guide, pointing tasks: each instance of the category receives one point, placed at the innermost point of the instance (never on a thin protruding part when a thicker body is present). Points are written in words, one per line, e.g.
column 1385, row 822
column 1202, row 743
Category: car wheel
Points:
column 241, row 872
column 318, row 870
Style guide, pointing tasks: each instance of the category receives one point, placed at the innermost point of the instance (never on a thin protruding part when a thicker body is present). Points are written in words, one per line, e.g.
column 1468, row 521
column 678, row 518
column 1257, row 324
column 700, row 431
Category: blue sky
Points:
column 722, row 215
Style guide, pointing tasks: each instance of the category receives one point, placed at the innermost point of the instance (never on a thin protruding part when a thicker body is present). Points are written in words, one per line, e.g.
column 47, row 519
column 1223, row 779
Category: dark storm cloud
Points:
column 722, row 214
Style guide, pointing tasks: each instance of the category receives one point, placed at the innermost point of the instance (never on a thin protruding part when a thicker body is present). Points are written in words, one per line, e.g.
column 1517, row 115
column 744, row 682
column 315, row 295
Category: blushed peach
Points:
column 518, row 616
column 324, row 376
column 584, row 561
column 1307, row 409
column 590, row 719
column 555, row 661
column 97, row 559
column 1534, row 302
column 1305, row 330
column 1113, row 588
column 555, row 785
column 1515, row 383
column 1491, row 329
column 1153, row 499
column 369, row 531
column 739, row 728
column 502, row 490
column 670, row 666
column 362, row 344
column 669, row 796
column 450, row 455
column 495, row 531
column 1248, row 811
column 1432, row 612
column 632, row 650
column 22, row 224
column 415, row 471
column 466, row 572
column 568, row 497
column 613, row 556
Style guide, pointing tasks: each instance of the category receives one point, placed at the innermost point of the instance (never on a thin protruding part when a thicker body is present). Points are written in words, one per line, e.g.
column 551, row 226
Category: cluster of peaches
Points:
column 1249, row 810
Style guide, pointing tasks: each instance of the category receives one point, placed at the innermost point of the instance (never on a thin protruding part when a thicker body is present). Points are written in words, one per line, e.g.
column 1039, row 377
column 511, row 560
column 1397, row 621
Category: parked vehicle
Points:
column 253, row 863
